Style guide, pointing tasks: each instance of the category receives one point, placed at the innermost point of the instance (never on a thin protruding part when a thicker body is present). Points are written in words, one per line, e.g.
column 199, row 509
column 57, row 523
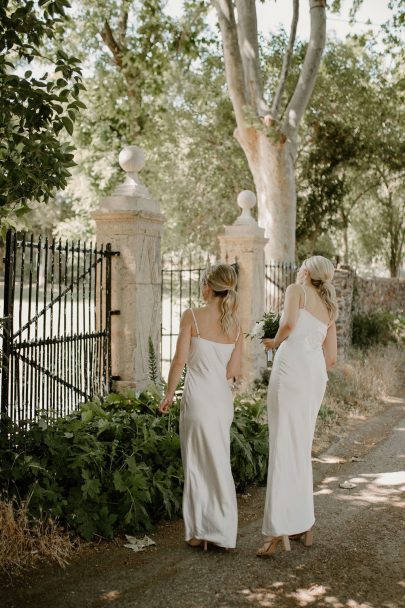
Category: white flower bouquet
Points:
column 267, row 327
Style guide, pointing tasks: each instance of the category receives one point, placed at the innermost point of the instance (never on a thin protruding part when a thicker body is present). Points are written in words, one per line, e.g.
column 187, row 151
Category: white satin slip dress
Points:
column 209, row 498
column 296, row 390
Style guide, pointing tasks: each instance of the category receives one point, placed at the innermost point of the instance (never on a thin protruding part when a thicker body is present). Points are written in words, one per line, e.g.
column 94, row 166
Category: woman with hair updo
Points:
column 210, row 342
column 307, row 348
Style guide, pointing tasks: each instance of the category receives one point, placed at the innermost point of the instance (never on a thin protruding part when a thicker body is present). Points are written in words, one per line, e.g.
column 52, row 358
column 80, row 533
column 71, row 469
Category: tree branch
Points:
column 122, row 24
column 275, row 108
column 249, row 50
column 109, row 40
column 233, row 62
column 354, row 201
column 306, row 80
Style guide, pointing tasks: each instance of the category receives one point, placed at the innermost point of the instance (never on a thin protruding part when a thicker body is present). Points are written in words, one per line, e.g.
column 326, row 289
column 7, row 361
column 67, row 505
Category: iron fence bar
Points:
column 96, row 320
column 89, row 363
column 101, row 300
column 107, row 349
column 171, row 304
column 46, row 355
column 7, row 322
column 35, row 373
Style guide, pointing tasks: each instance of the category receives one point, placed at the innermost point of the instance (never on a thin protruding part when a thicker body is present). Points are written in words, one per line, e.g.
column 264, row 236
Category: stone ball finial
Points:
column 131, row 159
column 246, row 201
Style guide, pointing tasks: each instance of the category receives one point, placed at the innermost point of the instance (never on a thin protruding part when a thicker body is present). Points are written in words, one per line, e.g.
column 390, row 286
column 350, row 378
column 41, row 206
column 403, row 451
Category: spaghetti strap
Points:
column 237, row 337
column 195, row 323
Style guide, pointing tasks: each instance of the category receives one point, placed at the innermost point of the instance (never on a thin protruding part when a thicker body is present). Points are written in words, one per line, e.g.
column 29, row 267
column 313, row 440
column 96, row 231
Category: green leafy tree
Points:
column 351, row 161
column 183, row 120
column 35, row 110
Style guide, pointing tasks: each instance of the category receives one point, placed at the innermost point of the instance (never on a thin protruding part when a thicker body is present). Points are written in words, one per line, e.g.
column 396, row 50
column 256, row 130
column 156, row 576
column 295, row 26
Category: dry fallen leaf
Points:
column 347, row 485
column 138, row 544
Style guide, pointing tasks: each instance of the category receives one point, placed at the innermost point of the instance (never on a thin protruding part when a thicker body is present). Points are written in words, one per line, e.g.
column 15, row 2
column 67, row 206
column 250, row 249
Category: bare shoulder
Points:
column 186, row 317
column 294, row 290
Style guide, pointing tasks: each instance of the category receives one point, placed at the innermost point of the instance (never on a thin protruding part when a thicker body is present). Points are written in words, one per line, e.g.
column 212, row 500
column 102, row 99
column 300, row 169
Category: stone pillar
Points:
column 244, row 242
column 131, row 221
column 343, row 281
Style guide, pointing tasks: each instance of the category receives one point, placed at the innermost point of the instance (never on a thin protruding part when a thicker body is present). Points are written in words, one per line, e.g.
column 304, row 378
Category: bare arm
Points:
column 330, row 346
column 179, row 360
column 234, row 363
column 290, row 315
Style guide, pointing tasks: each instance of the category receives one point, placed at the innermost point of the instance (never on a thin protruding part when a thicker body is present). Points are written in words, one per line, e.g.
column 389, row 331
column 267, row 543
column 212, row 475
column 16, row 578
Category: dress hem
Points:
column 290, row 533
column 214, row 542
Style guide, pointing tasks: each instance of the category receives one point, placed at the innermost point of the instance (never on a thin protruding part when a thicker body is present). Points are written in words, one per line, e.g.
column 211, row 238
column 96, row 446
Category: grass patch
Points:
column 359, row 387
column 25, row 540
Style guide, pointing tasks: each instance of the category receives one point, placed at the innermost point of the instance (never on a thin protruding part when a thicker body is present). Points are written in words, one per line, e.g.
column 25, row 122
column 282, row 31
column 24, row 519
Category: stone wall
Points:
column 371, row 295
column 344, row 284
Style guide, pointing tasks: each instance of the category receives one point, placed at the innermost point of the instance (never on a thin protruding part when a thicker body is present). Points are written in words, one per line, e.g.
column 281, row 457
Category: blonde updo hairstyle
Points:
column 222, row 279
column 321, row 273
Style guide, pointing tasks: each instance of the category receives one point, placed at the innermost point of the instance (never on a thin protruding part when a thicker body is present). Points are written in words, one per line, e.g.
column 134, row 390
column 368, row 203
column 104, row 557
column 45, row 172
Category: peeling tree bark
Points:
column 270, row 149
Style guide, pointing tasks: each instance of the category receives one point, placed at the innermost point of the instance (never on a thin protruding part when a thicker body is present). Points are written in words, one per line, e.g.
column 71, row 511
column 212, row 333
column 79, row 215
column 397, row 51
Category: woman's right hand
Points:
column 164, row 407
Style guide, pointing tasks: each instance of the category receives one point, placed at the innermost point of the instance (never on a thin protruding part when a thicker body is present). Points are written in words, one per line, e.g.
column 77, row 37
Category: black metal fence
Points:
column 56, row 325
column 181, row 277
column 278, row 276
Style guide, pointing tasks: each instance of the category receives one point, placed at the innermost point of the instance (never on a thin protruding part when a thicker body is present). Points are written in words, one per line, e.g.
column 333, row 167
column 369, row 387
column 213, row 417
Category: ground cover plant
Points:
column 115, row 465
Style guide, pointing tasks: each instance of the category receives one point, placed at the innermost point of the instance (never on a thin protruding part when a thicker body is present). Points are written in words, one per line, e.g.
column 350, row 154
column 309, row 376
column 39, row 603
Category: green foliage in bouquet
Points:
column 271, row 322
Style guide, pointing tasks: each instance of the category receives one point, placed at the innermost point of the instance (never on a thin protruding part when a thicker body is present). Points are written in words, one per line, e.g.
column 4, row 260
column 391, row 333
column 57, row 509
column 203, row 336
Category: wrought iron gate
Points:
column 277, row 277
column 56, row 325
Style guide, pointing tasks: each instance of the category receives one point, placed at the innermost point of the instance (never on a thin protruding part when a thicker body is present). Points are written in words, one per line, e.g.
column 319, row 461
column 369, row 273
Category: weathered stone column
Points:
column 244, row 242
column 344, row 284
column 131, row 221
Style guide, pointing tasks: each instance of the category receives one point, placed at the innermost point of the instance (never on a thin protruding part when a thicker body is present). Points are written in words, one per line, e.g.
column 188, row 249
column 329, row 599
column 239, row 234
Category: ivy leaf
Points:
column 68, row 124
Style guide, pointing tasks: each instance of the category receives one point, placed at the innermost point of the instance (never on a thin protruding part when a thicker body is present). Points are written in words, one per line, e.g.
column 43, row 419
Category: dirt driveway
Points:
column 357, row 561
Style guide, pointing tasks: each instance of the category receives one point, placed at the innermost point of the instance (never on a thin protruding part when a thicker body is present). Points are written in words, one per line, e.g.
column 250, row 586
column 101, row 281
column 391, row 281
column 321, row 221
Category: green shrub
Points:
column 115, row 465
column 377, row 328
column 249, row 442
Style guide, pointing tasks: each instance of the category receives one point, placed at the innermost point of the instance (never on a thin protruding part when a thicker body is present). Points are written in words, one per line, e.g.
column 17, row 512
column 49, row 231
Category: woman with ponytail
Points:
column 307, row 348
column 210, row 342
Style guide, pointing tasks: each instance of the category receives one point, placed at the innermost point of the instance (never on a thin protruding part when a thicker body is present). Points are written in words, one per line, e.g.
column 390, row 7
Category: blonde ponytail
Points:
column 222, row 279
column 321, row 272
column 229, row 311
column 327, row 293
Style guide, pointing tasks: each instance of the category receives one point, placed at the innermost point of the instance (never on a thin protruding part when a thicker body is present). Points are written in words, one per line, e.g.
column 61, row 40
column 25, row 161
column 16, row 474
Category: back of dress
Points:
column 209, row 498
column 296, row 389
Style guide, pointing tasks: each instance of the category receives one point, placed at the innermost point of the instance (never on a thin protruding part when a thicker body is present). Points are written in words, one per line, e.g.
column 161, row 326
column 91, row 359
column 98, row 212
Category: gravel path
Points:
column 357, row 560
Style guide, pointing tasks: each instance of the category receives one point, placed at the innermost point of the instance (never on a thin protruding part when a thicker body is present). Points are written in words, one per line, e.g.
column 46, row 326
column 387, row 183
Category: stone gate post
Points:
column 131, row 221
column 245, row 242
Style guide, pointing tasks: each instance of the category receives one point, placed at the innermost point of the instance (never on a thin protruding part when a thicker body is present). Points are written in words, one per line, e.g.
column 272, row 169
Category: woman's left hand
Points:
column 165, row 404
column 268, row 343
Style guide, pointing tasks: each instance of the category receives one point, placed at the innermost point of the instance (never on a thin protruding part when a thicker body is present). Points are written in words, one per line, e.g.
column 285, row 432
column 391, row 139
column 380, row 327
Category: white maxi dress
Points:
column 209, row 498
column 296, row 389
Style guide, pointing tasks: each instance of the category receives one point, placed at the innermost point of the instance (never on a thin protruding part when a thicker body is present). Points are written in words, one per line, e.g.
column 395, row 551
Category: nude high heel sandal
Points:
column 306, row 537
column 194, row 542
column 270, row 546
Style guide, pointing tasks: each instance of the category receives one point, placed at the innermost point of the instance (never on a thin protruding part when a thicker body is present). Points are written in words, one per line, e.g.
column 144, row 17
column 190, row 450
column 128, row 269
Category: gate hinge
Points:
column 115, row 377
column 115, row 312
